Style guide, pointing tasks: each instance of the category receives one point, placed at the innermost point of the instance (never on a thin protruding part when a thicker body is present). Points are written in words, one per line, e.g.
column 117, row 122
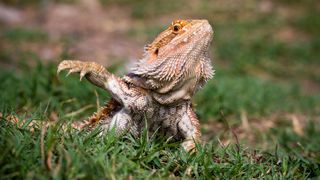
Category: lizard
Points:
column 156, row 95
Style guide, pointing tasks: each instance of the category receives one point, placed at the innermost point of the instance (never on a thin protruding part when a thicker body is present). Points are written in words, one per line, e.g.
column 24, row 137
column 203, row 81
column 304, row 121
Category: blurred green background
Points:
column 266, row 54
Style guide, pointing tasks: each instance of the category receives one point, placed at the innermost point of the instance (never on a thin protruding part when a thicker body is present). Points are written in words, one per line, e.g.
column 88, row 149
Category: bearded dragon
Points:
column 157, row 93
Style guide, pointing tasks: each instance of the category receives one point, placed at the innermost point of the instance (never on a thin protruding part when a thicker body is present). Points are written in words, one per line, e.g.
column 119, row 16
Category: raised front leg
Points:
column 94, row 72
column 189, row 127
column 130, row 98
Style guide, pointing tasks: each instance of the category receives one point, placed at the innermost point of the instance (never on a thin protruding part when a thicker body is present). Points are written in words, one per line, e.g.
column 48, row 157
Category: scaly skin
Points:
column 158, row 91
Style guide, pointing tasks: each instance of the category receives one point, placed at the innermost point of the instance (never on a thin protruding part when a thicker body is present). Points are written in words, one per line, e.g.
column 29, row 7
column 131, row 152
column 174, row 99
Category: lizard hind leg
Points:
column 110, row 117
column 102, row 117
column 121, row 122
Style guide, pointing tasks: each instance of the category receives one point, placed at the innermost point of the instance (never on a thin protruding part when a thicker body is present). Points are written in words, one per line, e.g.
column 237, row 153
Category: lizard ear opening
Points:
column 153, row 56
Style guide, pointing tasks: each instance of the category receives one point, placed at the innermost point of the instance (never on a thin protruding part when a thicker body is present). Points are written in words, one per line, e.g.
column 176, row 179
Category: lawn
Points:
column 259, row 115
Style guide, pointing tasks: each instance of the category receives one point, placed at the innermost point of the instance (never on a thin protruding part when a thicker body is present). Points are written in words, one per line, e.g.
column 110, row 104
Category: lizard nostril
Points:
column 156, row 51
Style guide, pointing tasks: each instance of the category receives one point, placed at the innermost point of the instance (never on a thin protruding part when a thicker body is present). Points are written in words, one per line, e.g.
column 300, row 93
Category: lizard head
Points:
column 178, row 54
column 179, row 35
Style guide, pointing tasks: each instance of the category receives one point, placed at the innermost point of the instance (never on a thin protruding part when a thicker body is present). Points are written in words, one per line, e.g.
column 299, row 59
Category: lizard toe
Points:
column 83, row 73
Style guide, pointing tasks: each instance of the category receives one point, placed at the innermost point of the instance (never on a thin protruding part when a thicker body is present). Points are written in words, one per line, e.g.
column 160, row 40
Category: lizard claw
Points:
column 72, row 66
column 83, row 73
column 79, row 67
column 72, row 71
column 66, row 64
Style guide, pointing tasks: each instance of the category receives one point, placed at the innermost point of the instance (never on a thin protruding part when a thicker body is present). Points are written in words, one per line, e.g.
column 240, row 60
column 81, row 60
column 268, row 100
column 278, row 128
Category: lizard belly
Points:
column 163, row 121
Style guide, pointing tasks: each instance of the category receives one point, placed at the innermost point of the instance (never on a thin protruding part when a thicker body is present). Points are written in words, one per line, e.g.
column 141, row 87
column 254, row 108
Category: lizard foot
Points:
column 80, row 67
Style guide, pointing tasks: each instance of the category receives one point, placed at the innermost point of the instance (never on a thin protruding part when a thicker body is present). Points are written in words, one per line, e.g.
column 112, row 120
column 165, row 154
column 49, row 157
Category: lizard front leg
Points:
column 130, row 98
column 189, row 127
column 94, row 72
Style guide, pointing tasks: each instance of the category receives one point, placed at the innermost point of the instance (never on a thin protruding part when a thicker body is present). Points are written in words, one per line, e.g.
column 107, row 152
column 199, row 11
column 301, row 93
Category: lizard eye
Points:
column 176, row 27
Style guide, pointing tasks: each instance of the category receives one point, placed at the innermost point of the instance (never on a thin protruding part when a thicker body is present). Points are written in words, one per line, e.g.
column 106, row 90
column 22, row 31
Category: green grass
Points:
column 18, row 35
column 86, row 155
column 259, row 77
column 231, row 94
